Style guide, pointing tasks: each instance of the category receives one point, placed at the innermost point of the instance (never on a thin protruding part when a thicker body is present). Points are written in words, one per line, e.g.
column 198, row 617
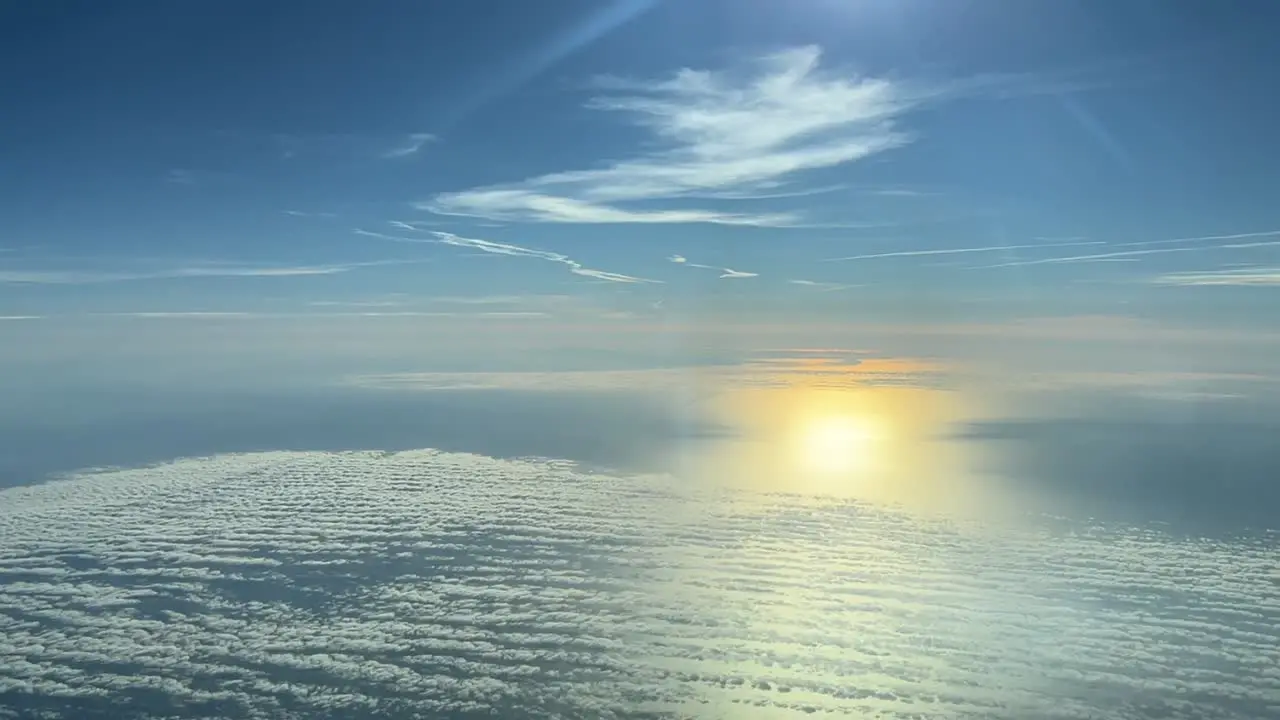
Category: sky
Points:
column 1047, row 206
column 818, row 161
column 639, row 358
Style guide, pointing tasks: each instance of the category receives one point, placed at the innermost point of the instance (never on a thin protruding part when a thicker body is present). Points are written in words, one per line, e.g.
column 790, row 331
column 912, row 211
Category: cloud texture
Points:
column 424, row 584
column 745, row 132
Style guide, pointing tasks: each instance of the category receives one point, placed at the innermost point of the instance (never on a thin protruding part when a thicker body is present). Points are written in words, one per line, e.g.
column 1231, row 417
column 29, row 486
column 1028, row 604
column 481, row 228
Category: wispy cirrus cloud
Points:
column 290, row 145
column 181, row 315
column 962, row 251
column 739, row 134
column 902, row 193
column 235, row 315
column 1201, row 243
column 1097, row 257
column 833, row 369
column 95, row 276
column 495, row 248
column 514, row 204
column 410, row 145
column 1259, row 276
column 356, row 303
column 821, row 286
column 773, row 194
column 1211, row 238
column 728, row 273
column 304, row 213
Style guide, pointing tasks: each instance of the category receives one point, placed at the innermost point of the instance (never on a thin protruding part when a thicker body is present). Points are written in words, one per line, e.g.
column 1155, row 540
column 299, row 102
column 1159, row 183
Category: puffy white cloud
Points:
column 425, row 583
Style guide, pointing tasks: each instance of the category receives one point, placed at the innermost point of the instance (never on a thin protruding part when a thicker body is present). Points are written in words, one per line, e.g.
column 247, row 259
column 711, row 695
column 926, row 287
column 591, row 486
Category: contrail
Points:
column 958, row 251
column 583, row 33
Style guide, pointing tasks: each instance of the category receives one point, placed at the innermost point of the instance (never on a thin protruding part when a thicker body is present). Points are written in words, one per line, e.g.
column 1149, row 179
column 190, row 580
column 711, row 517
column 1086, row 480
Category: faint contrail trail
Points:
column 958, row 251
column 582, row 34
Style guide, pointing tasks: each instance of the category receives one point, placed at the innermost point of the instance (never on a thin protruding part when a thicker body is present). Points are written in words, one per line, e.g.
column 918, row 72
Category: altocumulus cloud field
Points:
column 427, row 584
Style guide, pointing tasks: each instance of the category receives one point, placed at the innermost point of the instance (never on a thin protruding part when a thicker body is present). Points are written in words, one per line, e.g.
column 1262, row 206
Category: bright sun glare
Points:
column 838, row 444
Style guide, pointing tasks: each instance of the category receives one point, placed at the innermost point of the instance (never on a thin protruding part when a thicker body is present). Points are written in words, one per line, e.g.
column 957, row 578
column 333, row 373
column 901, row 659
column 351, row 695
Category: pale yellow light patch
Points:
column 884, row 444
column 838, row 444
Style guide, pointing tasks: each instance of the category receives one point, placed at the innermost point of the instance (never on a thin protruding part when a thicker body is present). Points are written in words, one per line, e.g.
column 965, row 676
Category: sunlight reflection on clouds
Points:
column 345, row 584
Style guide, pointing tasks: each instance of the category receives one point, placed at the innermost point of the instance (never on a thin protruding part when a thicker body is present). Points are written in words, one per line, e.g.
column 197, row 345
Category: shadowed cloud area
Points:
column 1211, row 468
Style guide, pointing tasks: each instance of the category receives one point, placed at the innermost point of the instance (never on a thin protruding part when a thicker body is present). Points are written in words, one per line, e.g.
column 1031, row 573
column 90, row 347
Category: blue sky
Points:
column 631, row 164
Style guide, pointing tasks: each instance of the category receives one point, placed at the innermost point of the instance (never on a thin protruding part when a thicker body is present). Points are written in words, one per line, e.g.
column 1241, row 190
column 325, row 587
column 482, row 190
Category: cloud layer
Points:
column 721, row 134
column 421, row 583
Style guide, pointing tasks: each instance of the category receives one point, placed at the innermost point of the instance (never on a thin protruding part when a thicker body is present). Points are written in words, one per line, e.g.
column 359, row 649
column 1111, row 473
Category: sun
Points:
column 839, row 444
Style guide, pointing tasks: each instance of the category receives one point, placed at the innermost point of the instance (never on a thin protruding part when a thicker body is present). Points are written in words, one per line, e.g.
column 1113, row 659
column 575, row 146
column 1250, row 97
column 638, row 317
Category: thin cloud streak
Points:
column 179, row 315
column 1239, row 246
column 303, row 213
column 494, row 248
column 355, row 303
column 225, row 315
column 1256, row 277
column 777, row 195
column 736, row 135
column 1206, row 238
column 1086, row 258
column 411, row 145
column 91, row 277
column 1127, row 254
column 903, row 193
column 725, row 273
column 528, row 206
column 822, row 286
column 960, row 251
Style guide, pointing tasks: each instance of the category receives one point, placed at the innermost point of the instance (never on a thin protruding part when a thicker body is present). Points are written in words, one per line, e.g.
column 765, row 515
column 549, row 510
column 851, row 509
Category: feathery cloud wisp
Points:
column 1259, row 276
column 1071, row 259
column 1210, row 238
column 495, row 248
column 221, row 315
column 822, row 286
column 89, row 277
column 961, row 251
column 410, row 145
column 303, row 213
column 724, row 133
column 725, row 272
column 182, row 315
column 1155, row 247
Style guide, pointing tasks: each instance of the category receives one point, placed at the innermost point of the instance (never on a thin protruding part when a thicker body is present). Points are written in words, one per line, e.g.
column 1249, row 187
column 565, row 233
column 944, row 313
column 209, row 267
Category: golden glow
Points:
column 838, row 444
column 833, row 430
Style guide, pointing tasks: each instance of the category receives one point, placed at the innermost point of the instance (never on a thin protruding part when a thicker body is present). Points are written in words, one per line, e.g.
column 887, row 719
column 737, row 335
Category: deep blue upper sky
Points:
column 221, row 156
